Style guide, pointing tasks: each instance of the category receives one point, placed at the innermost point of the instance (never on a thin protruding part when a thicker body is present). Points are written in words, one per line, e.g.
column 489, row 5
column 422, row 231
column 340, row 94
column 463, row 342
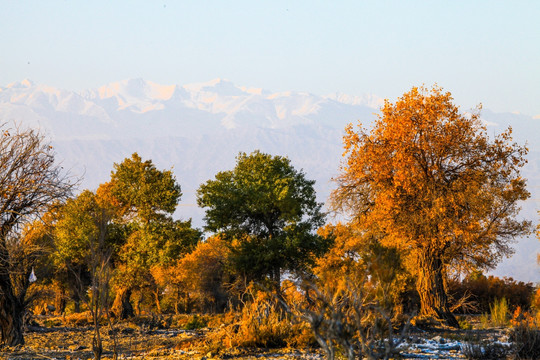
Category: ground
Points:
column 58, row 338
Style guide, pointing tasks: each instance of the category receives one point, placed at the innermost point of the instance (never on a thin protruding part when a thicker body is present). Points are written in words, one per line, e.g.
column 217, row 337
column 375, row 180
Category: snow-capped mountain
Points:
column 198, row 129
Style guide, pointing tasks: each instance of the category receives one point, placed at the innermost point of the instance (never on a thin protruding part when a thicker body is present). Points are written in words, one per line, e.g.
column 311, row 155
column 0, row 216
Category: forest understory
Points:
column 166, row 337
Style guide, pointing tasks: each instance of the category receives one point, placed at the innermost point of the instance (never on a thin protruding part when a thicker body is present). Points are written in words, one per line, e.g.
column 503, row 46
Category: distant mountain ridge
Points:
column 218, row 102
column 198, row 129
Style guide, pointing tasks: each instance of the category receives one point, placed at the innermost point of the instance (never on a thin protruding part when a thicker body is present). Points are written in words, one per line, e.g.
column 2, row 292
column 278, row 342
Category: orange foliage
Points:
column 535, row 302
column 359, row 257
column 526, row 319
column 199, row 276
column 429, row 181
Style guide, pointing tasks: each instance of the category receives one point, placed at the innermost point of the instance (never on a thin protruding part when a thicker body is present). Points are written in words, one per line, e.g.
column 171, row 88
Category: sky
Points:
column 481, row 51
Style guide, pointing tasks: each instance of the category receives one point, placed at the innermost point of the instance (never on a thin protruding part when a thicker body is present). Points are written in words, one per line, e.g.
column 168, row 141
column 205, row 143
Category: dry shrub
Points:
column 499, row 312
column 353, row 299
column 525, row 334
column 526, row 342
column 485, row 351
column 260, row 323
column 152, row 321
column 349, row 320
column 196, row 322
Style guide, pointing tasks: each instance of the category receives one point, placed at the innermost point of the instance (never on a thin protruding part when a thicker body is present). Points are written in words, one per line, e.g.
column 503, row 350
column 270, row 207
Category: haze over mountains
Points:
column 198, row 130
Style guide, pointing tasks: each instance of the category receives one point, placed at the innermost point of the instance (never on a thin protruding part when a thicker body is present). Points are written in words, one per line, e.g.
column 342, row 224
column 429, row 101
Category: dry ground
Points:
column 61, row 338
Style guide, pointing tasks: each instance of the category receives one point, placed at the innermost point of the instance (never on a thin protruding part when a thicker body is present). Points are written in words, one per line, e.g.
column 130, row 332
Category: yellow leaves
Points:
column 427, row 176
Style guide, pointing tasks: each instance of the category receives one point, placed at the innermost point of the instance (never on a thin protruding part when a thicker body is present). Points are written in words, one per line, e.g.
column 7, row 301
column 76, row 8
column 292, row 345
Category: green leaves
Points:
column 267, row 210
column 142, row 191
column 145, row 198
column 78, row 229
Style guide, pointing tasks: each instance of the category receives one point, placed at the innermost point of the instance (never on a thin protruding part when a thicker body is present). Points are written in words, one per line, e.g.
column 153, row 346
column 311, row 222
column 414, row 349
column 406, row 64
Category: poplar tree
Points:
column 431, row 182
column 268, row 212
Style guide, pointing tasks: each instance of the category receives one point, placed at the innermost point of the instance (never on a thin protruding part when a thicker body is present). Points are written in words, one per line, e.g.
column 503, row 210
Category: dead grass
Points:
column 146, row 337
column 70, row 338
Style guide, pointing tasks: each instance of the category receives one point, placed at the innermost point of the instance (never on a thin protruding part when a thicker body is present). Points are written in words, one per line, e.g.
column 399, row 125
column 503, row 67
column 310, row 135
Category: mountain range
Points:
column 198, row 129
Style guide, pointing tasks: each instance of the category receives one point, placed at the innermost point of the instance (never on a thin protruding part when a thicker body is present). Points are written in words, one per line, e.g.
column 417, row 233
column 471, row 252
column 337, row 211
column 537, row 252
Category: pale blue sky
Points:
column 481, row 51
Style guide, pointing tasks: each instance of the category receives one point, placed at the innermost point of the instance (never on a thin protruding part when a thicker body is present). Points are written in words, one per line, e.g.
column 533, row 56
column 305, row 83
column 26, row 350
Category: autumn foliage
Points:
column 430, row 182
column 423, row 195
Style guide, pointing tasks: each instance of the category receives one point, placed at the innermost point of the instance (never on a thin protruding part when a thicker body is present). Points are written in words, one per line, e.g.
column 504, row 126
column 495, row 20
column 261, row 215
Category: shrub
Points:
column 260, row 323
column 464, row 324
column 499, row 312
column 195, row 323
column 526, row 342
column 485, row 351
column 347, row 319
column 484, row 321
column 535, row 300
column 354, row 297
column 152, row 322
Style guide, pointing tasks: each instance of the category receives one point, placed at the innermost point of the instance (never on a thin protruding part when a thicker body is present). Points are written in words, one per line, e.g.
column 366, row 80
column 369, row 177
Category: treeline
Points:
column 426, row 194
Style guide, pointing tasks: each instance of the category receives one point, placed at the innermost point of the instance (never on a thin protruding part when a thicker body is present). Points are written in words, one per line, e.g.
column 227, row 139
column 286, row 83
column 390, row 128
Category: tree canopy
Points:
column 142, row 191
column 145, row 199
column 429, row 181
column 268, row 211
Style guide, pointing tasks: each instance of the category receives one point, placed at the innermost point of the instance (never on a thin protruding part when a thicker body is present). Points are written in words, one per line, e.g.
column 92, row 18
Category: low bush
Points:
column 195, row 323
column 485, row 351
column 526, row 342
column 152, row 321
column 499, row 312
column 464, row 323
column 260, row 323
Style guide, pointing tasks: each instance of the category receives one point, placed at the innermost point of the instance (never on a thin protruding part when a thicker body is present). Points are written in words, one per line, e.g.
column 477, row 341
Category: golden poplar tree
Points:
column 429, row 181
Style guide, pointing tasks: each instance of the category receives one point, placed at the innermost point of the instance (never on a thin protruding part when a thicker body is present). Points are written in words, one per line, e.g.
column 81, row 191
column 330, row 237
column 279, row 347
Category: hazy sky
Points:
column 481, row 51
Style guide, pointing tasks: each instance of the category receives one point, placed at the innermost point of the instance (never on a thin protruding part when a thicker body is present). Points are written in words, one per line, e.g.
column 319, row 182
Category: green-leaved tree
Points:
column 268, row 212
column 145, row 199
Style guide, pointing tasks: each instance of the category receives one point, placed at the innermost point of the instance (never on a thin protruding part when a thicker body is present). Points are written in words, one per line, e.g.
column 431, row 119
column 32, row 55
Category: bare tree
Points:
column 30, row 182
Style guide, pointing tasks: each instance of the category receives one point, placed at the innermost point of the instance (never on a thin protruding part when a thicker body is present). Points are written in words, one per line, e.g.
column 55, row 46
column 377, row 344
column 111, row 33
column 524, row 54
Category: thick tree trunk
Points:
column 60, row 301
column 76, row 297
column 11, row 314
column 431, row 288
column 122, row 306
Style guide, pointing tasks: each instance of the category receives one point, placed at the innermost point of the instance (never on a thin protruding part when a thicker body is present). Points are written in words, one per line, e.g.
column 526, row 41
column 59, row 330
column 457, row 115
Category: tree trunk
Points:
column 122, row 306
column 60, row 301
column 431, row 288
column 11, row 313
column 97, row 345
column 157, row 300
column 138, row 303
column 76, row 297
column 187, row 303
